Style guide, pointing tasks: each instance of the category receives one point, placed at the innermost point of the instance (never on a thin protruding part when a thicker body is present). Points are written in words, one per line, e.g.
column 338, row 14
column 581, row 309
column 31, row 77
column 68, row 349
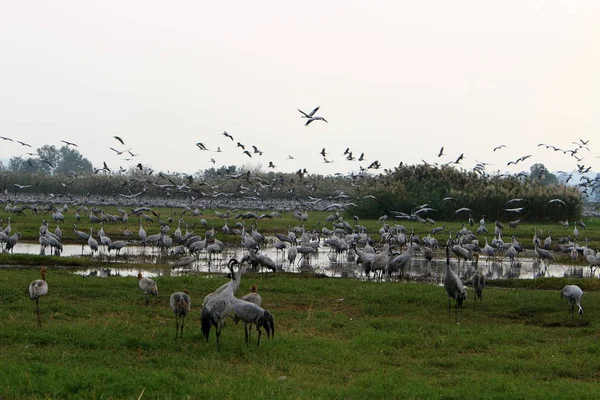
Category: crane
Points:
column 478, row 280
column 93, row 243
column 454, row 286
column 148, row 286
column 180, row 304
column 251, row 313
column 573, row 294
column 219, row 305
column 37, row 289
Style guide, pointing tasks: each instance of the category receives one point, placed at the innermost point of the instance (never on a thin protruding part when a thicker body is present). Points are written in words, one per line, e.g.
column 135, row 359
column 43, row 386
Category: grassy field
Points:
column 335, row 338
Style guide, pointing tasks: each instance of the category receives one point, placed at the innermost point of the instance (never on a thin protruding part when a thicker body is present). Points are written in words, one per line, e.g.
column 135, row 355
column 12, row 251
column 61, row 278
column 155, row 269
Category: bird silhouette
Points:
column 310, row 114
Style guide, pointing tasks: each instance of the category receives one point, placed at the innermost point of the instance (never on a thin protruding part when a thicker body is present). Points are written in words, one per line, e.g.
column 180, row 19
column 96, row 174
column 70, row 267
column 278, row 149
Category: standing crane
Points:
column 251, row 313
column 219, row 305
column 454, row 286
column 148, row 286
column 573, row 294
column 180, row 304
column 253, row 296
column 93, row 243
column 37, row 289
column 81, row 235
column 478, row 280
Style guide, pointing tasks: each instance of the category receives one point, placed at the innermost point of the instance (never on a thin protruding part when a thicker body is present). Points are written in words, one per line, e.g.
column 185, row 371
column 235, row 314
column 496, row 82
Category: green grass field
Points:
column 335, row 338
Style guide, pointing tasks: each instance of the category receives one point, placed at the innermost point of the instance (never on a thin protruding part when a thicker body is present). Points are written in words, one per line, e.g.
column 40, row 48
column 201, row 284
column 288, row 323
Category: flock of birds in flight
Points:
column 310, row 117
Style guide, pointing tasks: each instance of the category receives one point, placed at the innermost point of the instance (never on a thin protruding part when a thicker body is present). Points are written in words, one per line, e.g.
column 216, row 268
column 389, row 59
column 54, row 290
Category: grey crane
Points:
column 573, row 294
column 12, row 241
column 185, row 261
column 261, row 260
column 454, row 286
column 148, row 287
column 218, row 307
column 478, row 281
column 180, row 304
column 93, row 243
column 399, row 262
column 548, row 242
column 291, row 254
column 117, row 245
column 142, row 233
column 37, row 289
column 305, row 251
column 253, row 296
column 251, row 313
column 543, row 254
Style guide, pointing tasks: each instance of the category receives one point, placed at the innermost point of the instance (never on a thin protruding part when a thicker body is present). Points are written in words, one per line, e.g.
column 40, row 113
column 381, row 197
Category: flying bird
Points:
column 271, row 165
column 227, row 135
column 310, row 114
column 323, row 153
column 462, row 209
column 441, row 153
column 246, row 152
column 241, row 145
column 374, row 165
column 518, row 160
column 557, row 201
column 23, row 143
column 69, row 143
column 118, row 152
column 314, row 119
column 22, row 186
column 6, row 138
column 201, row 146
column 119, row 139
column 462, row 156
column 499, row 147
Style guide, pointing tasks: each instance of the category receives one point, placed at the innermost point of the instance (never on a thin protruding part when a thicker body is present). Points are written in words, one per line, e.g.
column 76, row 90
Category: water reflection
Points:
column 323, row 262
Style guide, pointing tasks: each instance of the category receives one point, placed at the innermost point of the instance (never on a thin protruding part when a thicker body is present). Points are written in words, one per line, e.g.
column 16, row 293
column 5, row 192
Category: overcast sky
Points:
column 396, row 80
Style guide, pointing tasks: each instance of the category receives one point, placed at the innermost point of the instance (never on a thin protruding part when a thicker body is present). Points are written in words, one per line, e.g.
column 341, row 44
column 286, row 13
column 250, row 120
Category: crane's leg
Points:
column 218, row 332
column 176, row 326
column 37, row 311
column 246, row 333
column 182, row 323
column 449, row 310
column 259, row 332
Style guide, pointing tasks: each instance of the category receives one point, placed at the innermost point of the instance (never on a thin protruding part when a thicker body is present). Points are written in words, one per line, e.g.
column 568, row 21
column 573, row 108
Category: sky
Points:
column 395, row 80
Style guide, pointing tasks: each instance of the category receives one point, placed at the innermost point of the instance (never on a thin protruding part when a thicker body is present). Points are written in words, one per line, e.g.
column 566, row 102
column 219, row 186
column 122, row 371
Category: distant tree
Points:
column 220, row 172
column 50, row 161
column 541, row 174
column 72, row 160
